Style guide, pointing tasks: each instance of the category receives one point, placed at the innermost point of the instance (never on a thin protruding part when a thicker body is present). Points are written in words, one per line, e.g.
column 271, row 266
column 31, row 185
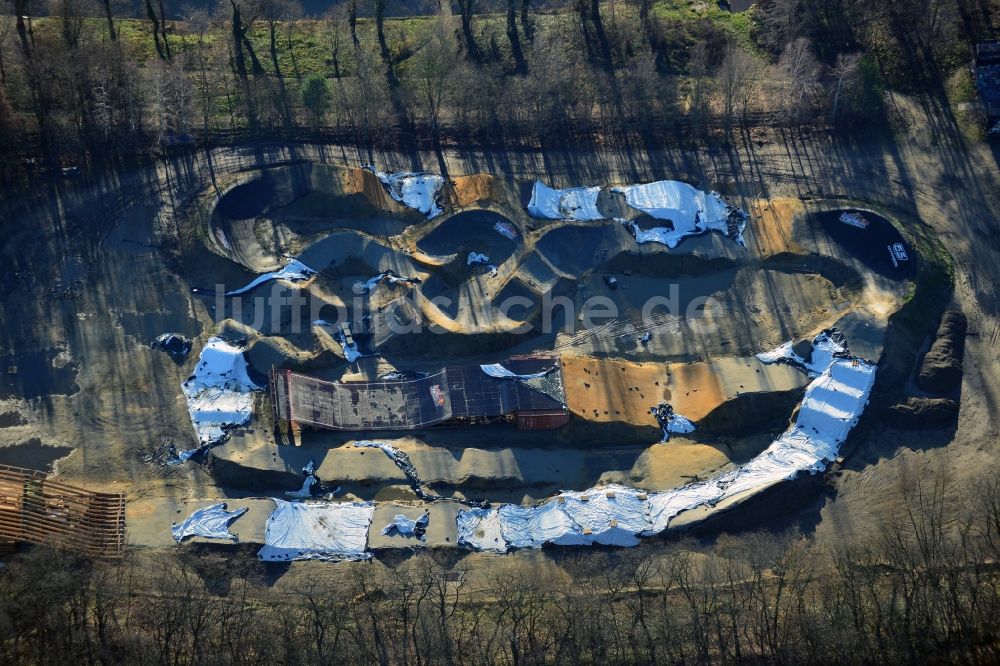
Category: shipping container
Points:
column 542, row 420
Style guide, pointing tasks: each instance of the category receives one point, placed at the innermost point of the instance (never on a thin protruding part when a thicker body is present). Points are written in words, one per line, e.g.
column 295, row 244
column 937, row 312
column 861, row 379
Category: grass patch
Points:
column 737, row 25
column 964, row 102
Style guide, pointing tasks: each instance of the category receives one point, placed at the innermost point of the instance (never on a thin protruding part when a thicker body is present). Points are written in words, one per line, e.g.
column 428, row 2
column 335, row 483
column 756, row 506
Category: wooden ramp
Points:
column 35, row 509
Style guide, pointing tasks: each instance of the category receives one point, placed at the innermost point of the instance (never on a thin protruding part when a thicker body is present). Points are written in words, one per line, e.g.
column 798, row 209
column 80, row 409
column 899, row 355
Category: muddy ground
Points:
column 93, row 269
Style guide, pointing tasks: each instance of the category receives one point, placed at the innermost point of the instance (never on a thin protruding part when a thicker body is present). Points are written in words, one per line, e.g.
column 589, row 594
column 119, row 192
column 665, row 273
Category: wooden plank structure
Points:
column 35, row 509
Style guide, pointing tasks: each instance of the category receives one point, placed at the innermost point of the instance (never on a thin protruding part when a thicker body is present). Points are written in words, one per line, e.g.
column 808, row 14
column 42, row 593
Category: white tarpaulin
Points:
column 500, row 372
column 688, row 209
column 407, row 527
column 671, row 422
column 679, row 424
column 306, row 491
column 577, row 203
column 419, row 191
column 832, row 405
column 317, row 531
column 824, row 349
column 613, row 515
column 212, row 522
column 479, row 529
column 385, row 276
column 219, row 393
column 477, row 258
column 293, row 271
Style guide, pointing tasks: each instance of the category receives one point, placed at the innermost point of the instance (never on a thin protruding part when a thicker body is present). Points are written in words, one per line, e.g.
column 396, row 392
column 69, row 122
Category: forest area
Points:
column 82, row 79
column 926, row 589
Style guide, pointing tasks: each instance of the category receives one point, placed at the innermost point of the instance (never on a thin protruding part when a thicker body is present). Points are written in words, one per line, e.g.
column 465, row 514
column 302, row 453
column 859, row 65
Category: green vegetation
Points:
column 963, row 101
column 316, row 97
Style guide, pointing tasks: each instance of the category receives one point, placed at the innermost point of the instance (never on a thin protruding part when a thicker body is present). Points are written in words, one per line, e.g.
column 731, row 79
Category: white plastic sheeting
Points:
column 824, row 349
column 690, row 211
column 385, row 276
column 212, row 522
column 306, row 491
column 670, row 421
column 577, row 203
column 479, row 529
column 832, row 405
column 317, row 531
column 419, row 191
column 293, row 271
column 500, row 372
column 679, row 424
column 219, row 393
column 477, row 258
column 351, row 351
column 407, row 527
column 613, row 515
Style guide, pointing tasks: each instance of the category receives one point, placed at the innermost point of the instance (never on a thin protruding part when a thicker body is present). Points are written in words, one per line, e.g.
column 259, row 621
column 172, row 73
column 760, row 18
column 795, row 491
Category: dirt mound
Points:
column 918, row 413
column 941, row 369
column 363, row 181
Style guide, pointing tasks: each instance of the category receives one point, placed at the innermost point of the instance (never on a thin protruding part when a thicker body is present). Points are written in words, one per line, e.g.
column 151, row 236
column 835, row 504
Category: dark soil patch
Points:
column 470, row 231
column 11, row 419
column 919, row 413
column 246, row 201
column 517, row 301
column 147, row 326
column 32, row 454
column 577, row 249
column 877, row 246
column 31, row 374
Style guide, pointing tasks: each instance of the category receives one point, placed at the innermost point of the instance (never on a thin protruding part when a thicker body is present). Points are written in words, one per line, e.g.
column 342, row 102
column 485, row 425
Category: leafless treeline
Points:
column 925, row 588
column 82, row 81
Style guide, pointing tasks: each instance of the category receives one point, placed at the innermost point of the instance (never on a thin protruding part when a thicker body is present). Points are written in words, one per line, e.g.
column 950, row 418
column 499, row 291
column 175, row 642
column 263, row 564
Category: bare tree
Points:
column 171, row 98
column 846, row 75
column 155, row 22
column 379, row 11
column 515, row 41
column 736, row 78
column 273, row 12
column 352, row 21
column 699, row 98
column 109, row 17
column 799, row 73
column 335, row 20
column 526, row 23
column 467, row 8
column 431, row 74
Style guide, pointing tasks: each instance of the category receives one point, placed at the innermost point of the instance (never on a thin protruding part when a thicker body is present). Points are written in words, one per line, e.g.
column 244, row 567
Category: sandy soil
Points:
column 606, row 390
column 772, row 231
column 472, row 190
